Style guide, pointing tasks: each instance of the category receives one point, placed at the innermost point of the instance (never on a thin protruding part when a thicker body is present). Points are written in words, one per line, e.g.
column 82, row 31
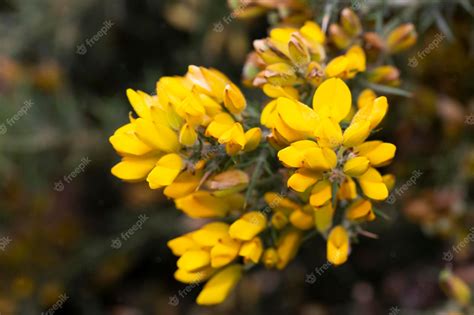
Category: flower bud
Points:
column 387, row 75
column 339, row 37
column 401, row 38
column 350, row 22
column 455, row 287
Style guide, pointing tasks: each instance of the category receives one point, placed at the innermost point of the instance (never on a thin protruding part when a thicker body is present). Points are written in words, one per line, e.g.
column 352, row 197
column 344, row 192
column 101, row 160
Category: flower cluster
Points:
column 292, row 57
column 314, row 166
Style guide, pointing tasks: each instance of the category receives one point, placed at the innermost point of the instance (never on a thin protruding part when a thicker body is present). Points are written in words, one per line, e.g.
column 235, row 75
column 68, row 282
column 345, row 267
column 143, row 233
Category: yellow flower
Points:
column 217, row 289
column 205, row 204
column 270, row 258
column 338, row 246
column 252, row 250
column 323, row 217
column 348, row 65
column 224, row 252
column 360, row 210
column 248, row 226
column 287, row 247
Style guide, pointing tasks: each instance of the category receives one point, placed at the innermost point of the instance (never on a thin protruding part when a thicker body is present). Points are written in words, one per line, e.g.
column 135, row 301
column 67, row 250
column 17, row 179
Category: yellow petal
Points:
column 356, row 60
column 183, row 185
column 389, row 181
column 377, row 152
column 210, row 234
column 356, row 166
column 287, row 247
column 321, row 193
column 217, row 289
column 252, row 139
column 125, row 141
column 202, row 204
column 323, row 217
column 356, row 133
column 337, row 67
column 270, row 258
column 187, row 135
column 157, row 136
column 328, row 133
column 275, row 91
column 312, row 32
column 298, row 52
column 373, row 112
column 338, row 246
column 348, row 190
column 194, row 277
column 166, row 170
column 252, row 250
column 332, row 99
column 360, row 210
column 269, row 114
column 296, row 115
column 134, row 169
column 372, row 185
column 224, row 252
column 279, row 220
column 182, row 244
column 320, row 159
column 366, row 97
column 194, row 260
column 302, row 220
column 248, row 226
column 138, row 103
column 234, row 100
column 220, row 124
column 303, row 179
column 294, row 155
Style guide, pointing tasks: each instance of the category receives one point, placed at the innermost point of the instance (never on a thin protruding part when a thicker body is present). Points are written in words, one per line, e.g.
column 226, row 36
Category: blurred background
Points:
column 64, row 69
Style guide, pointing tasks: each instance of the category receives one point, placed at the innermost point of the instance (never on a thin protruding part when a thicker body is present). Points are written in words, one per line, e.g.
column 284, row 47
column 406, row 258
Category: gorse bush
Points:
column 269, row 175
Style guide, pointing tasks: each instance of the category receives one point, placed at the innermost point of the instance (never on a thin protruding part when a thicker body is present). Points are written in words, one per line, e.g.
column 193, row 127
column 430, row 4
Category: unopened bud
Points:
column 401, row 38
column 455, row 287
column 339, row 37
column 387, row 75
column 350, row 22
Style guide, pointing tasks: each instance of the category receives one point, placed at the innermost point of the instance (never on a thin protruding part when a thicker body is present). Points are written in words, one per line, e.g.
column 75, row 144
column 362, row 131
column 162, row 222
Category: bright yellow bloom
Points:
column 248, row 226
column 288, row 246
column 360, row 210
column 217, row 289
column 338, row 246
column 252, row 250
column 205, row 204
